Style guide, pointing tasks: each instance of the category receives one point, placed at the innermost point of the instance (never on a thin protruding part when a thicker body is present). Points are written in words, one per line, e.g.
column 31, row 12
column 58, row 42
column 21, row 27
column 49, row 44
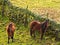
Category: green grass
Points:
column 36, row 3
column 22, row 36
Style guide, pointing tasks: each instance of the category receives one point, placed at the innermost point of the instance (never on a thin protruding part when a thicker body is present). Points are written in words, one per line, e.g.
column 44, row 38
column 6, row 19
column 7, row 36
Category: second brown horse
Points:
column 41, row 27
column 10, row 31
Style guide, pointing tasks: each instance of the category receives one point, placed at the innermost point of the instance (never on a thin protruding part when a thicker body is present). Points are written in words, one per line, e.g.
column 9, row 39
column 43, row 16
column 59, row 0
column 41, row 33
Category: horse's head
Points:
column 10, row 25
column 47, row 22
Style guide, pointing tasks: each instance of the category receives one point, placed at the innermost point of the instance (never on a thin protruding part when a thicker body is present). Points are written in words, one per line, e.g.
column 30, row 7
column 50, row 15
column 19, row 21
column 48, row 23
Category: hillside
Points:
column 41, row 7
column 20, row 13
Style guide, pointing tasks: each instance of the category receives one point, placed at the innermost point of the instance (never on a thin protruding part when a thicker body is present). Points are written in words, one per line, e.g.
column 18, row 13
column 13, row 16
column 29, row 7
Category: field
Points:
column 36, row 3
column 22, row 35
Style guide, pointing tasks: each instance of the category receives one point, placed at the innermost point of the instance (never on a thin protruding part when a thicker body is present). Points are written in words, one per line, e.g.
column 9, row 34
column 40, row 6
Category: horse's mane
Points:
column 43, row 25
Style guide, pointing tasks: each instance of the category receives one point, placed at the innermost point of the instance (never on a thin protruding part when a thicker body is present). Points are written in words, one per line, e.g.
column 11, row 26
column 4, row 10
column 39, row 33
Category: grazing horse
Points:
column 10, row 31
column 41, row 27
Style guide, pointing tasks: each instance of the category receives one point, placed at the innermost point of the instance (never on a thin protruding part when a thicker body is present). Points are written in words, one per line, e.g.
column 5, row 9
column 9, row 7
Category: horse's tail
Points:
column 31, row 27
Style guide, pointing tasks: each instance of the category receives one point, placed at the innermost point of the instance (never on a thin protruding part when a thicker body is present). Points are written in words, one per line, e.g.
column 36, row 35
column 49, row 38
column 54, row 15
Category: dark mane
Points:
column 10, row 25
column 44, row 25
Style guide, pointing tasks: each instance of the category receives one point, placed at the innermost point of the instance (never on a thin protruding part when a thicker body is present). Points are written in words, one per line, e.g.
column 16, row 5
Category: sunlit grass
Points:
column 22, row 37
column 36, row 3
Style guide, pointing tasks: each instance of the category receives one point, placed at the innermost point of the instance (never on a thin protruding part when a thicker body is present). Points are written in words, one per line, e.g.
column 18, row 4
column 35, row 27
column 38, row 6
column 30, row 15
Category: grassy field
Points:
column 36, row 3
column 22, row 36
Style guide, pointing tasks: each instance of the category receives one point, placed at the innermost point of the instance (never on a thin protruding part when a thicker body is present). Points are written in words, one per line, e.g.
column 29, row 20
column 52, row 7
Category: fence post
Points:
column 26, row 22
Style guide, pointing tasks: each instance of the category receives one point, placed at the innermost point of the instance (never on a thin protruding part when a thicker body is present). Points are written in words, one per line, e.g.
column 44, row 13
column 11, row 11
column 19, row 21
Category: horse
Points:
column 10, row 31
column 41, row 27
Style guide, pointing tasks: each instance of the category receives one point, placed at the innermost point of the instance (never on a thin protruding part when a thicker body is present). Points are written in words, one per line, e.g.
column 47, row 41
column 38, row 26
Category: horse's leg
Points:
column 41, row 36
column 31, row 32
column 34, row 33
column 42, row 33
column 8, row 39
column 12, row 36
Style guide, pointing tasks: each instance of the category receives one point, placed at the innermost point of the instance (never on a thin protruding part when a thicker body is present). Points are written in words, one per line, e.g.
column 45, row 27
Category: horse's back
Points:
column 34, row 23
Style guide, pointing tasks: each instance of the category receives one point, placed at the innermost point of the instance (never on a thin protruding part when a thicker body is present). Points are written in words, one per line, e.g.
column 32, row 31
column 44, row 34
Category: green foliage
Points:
column 22, row 16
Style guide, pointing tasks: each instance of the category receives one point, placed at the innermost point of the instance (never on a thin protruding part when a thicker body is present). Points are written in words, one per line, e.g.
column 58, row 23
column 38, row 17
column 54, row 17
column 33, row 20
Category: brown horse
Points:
column 41, row 27
column 10, row 31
